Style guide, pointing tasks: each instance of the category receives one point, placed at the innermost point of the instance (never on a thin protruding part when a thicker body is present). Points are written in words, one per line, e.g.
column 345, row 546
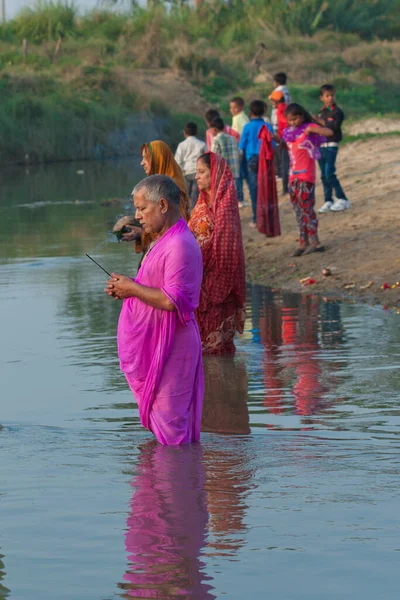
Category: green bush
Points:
column 47, row 21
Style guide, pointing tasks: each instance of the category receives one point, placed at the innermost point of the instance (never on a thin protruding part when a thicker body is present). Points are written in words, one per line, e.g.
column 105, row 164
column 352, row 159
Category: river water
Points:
column 294, row 489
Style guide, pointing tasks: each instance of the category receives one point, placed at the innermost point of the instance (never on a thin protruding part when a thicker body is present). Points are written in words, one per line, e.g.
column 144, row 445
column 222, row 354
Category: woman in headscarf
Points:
column 215, row 223
column 157, row 159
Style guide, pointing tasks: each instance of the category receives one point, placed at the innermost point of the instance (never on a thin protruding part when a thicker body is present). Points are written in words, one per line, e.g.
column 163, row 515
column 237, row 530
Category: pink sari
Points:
column 159, row 350
column 167, row 526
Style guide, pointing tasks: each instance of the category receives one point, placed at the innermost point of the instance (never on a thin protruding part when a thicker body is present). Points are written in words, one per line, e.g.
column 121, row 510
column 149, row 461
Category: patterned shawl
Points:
column 314, row 141
column 217, row 228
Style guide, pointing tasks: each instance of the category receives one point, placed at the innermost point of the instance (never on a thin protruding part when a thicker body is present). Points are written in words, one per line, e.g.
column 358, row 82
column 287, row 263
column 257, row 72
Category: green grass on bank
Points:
column 364, row 137
column 80, row 107
column 223, row 23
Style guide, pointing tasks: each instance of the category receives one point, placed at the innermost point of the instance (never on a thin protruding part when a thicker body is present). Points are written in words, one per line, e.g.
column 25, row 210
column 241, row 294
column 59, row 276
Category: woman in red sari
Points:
column 215, row 223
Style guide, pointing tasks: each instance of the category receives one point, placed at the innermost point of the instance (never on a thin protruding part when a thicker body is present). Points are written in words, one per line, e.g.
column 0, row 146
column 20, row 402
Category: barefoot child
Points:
column 303, row 138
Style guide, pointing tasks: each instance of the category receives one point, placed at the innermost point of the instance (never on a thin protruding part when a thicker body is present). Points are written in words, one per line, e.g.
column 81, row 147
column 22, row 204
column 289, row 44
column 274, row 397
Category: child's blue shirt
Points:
column 249, row 142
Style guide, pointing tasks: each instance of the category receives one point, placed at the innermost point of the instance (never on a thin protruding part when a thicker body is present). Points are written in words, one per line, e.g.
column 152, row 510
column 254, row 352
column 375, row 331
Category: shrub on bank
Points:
column 76, row 106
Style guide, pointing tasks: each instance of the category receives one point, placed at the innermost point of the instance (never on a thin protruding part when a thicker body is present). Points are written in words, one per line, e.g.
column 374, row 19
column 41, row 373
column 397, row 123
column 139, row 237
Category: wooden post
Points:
column 57, row 50
column 256, row 62
column 25, row 49
column 3, row 10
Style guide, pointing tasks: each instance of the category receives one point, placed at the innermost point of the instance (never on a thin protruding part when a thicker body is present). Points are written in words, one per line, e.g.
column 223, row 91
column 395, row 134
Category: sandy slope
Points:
column 362, row 244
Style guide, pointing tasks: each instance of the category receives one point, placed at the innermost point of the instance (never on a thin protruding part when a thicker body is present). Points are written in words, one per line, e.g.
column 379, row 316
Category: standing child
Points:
column 239, row 117
column 280, row 80
column 278, row 102
column 209, row 116
column 303, row 138
column 225, row 145
column 187, row 154
column 250, row 145
column 239, row 120
column 331, row 116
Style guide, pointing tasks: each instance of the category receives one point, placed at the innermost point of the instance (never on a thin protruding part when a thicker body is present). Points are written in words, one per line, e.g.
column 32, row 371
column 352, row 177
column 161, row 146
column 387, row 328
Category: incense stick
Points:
column 96, row 263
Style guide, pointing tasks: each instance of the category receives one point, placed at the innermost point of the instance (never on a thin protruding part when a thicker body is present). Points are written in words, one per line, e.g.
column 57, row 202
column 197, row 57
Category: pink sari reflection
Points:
column 167, row 526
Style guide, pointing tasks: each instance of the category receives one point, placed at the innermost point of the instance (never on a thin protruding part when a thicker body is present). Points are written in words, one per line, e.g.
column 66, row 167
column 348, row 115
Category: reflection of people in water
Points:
column 271, row 320
column 167, row 525
column 289, row 331
column 225, row 399
column 308, row 389
column 228, row 472
column 331, row 324
column 3, row 590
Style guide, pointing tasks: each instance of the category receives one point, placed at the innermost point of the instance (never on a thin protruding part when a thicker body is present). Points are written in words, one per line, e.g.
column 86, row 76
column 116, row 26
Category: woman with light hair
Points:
column 158, row 338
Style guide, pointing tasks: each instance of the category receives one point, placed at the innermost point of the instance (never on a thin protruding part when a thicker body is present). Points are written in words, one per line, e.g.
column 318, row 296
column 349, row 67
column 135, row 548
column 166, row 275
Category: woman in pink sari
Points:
column 158, row 339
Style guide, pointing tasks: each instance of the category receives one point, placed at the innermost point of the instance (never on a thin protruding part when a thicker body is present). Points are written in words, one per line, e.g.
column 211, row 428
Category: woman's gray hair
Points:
column 156, row 187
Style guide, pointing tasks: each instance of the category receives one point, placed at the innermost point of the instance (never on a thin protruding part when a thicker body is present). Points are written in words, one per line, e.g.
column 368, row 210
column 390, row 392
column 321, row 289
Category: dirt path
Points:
column 362, row 244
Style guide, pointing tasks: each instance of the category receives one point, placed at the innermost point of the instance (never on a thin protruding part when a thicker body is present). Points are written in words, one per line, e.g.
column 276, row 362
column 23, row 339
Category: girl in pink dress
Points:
column 303, row 139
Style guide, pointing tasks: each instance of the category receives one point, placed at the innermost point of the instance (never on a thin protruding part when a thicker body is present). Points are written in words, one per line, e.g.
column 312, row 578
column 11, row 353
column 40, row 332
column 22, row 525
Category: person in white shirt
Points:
column 187, row 154
column 239, row 120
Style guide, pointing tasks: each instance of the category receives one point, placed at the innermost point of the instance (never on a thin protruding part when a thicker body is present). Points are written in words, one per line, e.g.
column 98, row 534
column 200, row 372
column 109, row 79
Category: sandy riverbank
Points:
column 362, row 244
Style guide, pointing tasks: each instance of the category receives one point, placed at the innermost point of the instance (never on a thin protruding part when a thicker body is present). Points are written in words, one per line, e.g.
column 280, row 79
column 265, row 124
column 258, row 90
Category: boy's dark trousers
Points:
column 278, row 162
column 239, row 181
column 327, row 164
column 193, row 189
column 252, row 178
column 281, row 161
column 285, row 163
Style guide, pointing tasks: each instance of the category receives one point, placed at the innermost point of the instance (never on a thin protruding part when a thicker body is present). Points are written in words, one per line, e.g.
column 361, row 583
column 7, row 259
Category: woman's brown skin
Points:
column 155, row 219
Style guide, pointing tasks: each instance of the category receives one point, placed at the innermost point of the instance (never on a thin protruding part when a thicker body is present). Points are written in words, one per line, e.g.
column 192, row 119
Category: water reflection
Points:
column 226, row 392
column 228, row 474
column 3, row 590
column 229, row 479
column 51, row 210
column 167, row 525
column 293, row 330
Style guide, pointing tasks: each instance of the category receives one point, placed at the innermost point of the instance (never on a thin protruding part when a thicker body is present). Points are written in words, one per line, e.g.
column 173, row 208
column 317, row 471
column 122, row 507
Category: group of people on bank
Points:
column 188, row 297
column 262, row 151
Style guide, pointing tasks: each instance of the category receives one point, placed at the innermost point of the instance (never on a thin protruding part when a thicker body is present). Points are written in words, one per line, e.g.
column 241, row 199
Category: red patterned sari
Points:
column 215, row 223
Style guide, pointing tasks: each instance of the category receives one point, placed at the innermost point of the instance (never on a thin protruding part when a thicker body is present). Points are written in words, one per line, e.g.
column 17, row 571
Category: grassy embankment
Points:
column 86, row 102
